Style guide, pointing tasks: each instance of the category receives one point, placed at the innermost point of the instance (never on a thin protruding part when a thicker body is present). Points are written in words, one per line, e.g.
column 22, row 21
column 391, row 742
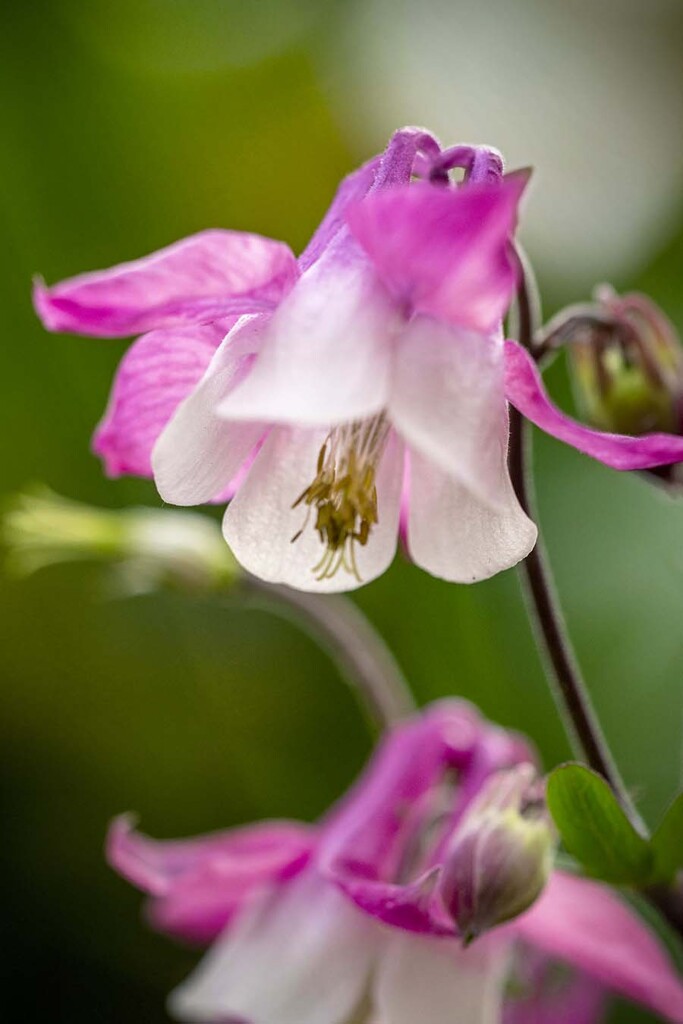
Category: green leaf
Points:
column 667, row 843
column 594, row 828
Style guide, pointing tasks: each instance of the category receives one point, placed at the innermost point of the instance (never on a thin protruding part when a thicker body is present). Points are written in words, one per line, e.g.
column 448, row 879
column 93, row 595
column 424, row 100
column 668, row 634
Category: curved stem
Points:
column 359, row 651
column 570, row 691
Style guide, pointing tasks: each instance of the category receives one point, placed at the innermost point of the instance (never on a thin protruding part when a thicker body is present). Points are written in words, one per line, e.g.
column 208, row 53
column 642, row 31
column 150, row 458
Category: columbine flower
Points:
column 349, row 919
column 362, row 390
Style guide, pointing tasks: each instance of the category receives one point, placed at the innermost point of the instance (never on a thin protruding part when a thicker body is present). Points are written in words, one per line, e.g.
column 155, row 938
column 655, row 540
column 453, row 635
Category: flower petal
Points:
column 157, row 372
column 260, row 521
column 454, row 535
column 447, row 402
column 444, row 251
column 366, row 842
column 435, row 980
column 198, row 453
column 352, row 188
column 525, row 390
column 204, row 277
column 301, row 955
column 197, row 885
column 587, row 925
column 326, row 358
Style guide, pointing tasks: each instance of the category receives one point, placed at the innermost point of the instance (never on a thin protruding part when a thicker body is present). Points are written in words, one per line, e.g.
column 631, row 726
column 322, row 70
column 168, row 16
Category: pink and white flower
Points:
column 346, row 920
column 356, row 393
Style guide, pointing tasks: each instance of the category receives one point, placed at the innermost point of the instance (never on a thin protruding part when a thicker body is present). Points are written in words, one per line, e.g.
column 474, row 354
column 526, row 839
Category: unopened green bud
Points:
column 501, row 855
column 626, row 362
column 148, row 548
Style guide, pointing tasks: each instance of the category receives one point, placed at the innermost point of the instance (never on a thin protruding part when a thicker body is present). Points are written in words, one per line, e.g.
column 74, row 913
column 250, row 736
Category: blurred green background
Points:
column 125, row 126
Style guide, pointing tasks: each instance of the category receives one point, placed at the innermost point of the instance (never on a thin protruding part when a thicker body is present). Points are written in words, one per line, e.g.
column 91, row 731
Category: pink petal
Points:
column 436, row 981
column 524, row 389
column 260, row 521
column 301, row 955
column 157, row 372
column 367, row 834
column 447, row 402
column 326, row 358
column 444, row 251
column 587, row 925
column 454, row 535
column 366, row 841
column 198, row 454
column 351, row 189
column 204, row 277
column 197, row 885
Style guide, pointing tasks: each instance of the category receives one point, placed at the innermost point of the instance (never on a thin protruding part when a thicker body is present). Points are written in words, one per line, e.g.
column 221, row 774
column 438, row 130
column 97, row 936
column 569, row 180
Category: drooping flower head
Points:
column 345, row 396
column 356, row 918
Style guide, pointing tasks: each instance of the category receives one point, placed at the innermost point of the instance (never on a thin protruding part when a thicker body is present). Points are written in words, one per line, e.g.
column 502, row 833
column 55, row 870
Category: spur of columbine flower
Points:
column 356, row 918
column 344, row 397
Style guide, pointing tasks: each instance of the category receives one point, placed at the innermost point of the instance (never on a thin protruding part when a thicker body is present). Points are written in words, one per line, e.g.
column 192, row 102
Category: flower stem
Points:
column 570, row 691
column 357, row 648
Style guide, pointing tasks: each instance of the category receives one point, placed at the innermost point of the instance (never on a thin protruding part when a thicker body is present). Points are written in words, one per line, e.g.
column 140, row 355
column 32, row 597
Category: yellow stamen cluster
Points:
column 344, row 493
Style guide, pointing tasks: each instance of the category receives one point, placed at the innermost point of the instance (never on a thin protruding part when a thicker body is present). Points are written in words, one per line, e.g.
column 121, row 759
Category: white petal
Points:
column 447, row 400
column 197, row 454
column 436, row 981
column 454, row 535
column 327, row 355
column 300, row 956
column 260, row 522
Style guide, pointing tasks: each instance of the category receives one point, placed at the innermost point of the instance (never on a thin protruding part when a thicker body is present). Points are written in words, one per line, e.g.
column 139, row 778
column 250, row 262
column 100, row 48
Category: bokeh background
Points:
column 126, row 126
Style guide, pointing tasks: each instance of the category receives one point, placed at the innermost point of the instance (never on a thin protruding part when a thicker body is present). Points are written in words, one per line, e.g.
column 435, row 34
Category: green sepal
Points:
column 595, row 829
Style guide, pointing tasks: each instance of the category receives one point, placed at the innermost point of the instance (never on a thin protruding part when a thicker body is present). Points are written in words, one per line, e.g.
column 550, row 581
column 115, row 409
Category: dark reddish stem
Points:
column 570, row 690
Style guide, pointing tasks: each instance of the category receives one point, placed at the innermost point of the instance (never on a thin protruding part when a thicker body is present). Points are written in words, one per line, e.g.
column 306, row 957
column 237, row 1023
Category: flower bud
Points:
column 626, row 362
column 501, row 854
column 147, row 547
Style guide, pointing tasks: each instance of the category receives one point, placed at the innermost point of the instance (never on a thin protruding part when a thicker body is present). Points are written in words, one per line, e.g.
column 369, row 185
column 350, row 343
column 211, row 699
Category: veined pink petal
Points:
column 525, row 390
column 260, row 521
column 157, row 372
column 587, row 925
column 197, row 885
column 444, row 252
column 436, row 981
column 367, row 831
column 454, row 535
column 204, row 277
column 326, row 358
column 301, row 955
column 198, row 454
column 447, row 402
